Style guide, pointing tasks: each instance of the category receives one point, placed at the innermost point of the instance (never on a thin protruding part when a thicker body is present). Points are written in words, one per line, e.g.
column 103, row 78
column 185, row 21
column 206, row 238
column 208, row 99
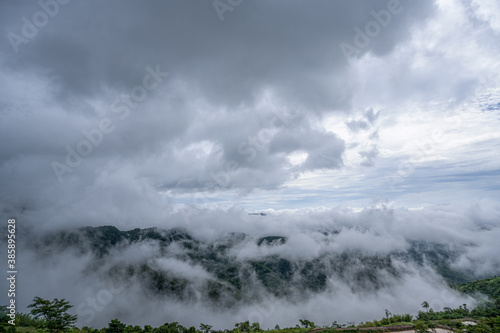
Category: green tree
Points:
column 115, row 326
column 133, row 329
column 425, row 305
column 421, row 327
column 5, row 327
column 174, row 327
column 255, row 327
column 244, row 326
column 205, row 328
column 54, row 313
column 307, row 323
column 27, row 320
column 86, row 329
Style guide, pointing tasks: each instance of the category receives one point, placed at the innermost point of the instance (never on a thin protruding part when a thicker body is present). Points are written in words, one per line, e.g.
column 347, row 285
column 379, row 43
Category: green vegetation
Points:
column 307, row 323
column 4, row 321
column 272, row 240
column 28, row 324
column 232, row 276
column 275, row 274
column 489, row 287
column 52, row 316
column 389, row 320
column 422, row 327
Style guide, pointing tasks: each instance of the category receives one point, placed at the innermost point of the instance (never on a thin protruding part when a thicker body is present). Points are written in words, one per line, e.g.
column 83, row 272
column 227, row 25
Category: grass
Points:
column 399, row 323
column 22, row 329
column 292, row 330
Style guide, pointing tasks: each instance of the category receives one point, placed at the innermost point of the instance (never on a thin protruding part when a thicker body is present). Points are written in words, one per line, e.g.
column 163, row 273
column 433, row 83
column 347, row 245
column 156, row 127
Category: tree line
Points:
column 53, row 317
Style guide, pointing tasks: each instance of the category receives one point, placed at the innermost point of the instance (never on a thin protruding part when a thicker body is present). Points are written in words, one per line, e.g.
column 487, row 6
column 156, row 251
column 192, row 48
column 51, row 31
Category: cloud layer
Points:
column 365, row 256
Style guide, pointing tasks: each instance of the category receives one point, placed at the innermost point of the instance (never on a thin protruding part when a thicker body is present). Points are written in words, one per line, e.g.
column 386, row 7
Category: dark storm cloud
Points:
column 290, row 46
column 233, row 99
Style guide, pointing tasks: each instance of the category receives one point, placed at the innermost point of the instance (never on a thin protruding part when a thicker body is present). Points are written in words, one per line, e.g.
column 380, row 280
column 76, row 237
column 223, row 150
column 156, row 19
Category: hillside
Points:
column 489, row 287
column 234, row 275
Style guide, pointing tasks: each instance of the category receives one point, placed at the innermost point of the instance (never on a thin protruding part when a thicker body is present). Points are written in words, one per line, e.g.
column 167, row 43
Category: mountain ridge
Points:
column 234, row 277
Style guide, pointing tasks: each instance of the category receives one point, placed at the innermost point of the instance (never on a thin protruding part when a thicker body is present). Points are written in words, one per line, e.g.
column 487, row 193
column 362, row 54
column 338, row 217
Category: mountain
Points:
column 237, row 267
column 489, row 287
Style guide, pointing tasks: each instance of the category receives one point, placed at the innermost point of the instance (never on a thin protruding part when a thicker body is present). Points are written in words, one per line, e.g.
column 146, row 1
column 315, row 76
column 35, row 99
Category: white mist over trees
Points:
column 226, row 267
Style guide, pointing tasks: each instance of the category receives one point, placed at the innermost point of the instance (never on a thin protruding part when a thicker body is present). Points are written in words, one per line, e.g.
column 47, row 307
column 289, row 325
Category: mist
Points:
column 100, row 290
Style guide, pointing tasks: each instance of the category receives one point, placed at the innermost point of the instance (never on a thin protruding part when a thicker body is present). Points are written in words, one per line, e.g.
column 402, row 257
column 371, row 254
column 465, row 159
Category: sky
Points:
column 379, row 118
column 129, row 111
